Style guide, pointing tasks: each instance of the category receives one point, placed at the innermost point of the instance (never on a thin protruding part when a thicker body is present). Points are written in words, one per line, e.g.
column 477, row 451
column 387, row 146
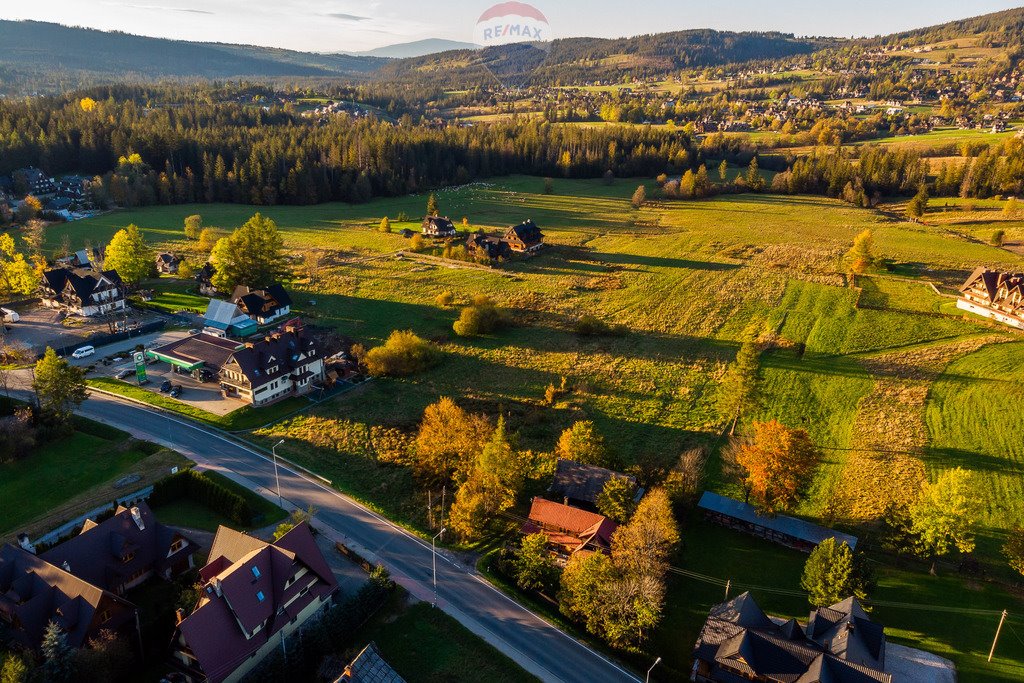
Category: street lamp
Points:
column 433, row 550
column 277, row 476
column 656, row 661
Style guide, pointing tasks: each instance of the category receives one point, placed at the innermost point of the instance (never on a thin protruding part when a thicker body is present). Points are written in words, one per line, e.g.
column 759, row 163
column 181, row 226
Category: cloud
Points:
column 161, row 8
column 345, row 17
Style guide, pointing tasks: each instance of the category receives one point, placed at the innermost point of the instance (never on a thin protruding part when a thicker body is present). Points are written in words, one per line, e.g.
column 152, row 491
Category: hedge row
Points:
column 201, row 489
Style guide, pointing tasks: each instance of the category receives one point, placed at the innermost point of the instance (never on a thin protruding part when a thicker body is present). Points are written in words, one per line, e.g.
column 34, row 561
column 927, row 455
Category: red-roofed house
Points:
column 254, row 595
column 569, row 530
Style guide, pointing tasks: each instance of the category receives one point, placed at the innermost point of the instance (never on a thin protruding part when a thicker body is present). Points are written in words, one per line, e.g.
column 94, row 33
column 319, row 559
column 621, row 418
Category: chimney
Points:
column 217, row 588
column 137, row 517
column 65, row 566
column 25, row 543
column 179, row 616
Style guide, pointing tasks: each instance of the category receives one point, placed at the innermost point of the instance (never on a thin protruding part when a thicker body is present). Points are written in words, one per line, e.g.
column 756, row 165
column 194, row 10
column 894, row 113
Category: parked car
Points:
column 121, row 374
column 194, row 331
column 166, row 386
column 7, row 315
column 83, row 352
column 176, row 391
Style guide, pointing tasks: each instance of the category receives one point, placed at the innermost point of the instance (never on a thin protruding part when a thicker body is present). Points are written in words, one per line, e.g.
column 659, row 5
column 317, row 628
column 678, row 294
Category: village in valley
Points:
column 688, row 357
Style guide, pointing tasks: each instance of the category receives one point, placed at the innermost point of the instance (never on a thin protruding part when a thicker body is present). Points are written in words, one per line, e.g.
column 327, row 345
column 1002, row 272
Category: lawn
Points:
column 425, row 645
column 188, row 513
column 75, row 474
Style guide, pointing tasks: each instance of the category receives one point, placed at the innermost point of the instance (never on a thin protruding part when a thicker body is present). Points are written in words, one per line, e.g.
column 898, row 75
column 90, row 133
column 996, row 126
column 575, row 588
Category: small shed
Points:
column 228, row 318
column 787, row 531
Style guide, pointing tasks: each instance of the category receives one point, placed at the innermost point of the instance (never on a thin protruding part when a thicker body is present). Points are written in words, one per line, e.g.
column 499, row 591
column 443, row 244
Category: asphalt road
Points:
column 536, row 645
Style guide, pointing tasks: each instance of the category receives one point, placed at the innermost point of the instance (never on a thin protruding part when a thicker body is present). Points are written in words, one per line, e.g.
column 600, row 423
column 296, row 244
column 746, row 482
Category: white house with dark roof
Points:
column 994, row 294
column 83, row 291
column 283, row 364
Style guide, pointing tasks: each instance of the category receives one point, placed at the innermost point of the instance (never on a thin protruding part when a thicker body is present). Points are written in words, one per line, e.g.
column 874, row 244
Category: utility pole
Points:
column 996, row 639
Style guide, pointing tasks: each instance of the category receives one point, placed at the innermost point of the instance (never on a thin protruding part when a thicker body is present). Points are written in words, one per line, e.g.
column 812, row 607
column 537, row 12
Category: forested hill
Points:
column 572, row 60
column 33, row 48
column 1003, row 28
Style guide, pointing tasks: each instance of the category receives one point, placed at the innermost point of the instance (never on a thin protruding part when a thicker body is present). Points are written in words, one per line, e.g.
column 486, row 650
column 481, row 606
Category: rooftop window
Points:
column 260, row 596
column 256, row 572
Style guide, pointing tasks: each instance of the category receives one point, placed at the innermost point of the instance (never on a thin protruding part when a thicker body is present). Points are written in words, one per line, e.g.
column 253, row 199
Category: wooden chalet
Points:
column 83, row 291
column 525, row 237
column 994, row 294
column 438, row 227
column 493, row 248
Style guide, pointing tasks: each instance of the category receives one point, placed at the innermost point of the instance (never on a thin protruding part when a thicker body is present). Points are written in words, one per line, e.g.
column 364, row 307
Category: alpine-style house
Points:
column 438, row 227
column 83, row 291
column 287, row 363
column 994, row 294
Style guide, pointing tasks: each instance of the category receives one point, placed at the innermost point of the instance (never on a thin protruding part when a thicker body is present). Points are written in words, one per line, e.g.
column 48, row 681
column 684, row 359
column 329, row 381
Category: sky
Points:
column 354, row 25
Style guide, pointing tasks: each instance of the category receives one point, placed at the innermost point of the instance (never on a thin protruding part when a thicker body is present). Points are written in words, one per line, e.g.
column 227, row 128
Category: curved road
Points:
column 537, row 646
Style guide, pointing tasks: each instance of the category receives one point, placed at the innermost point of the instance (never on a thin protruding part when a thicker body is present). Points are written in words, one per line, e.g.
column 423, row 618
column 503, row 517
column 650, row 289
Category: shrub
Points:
column 404, row 353
column 444, row 299
column 592, row 326
column 998, row 237
column 416, row 242
column 482, row 317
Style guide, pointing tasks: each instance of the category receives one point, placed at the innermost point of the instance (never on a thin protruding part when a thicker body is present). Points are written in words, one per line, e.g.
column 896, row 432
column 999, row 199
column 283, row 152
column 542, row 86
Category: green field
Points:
column 188, row 513
column 425, row 645
column 873, row 369
column 73, row 475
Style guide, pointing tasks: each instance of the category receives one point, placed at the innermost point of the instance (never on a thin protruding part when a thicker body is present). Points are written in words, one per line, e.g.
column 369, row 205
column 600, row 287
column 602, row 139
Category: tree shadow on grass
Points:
column 949, row 457
column 664, row 262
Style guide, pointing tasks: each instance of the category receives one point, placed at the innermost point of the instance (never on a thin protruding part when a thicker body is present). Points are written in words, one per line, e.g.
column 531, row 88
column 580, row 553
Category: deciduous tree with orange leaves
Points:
column 777, row 462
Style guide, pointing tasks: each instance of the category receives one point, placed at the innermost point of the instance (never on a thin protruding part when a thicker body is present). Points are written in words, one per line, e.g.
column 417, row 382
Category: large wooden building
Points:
column 994, row 294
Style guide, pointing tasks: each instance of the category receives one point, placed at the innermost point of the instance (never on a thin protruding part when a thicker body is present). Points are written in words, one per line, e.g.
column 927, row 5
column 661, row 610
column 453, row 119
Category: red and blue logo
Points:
column 511, row 22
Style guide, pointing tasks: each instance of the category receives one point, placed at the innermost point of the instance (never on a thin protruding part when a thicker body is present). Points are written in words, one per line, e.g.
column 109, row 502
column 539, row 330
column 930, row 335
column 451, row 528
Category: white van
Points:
column 9, row 316
column 83, row 352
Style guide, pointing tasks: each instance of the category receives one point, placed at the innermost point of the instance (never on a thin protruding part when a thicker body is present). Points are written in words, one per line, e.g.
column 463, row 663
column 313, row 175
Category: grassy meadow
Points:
column 889, row 379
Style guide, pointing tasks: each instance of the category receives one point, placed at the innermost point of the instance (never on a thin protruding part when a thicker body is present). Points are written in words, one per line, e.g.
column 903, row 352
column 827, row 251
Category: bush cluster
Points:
column 482, row 317
column 403, row 354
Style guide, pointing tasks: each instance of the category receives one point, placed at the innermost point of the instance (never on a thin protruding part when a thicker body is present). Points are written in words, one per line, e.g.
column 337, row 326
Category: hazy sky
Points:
column 348, row 25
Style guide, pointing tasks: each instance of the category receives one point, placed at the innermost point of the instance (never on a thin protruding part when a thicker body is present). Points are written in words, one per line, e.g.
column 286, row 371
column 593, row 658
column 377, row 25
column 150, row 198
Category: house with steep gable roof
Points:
column 287, row 363
column 263, row 305
column 124, row 550
column 525, row 237
column 254, row 594
column 34, row 592
column 994, row 294
column 838, row 644
column 569, row 530
column 83, row 291
column 438, row 227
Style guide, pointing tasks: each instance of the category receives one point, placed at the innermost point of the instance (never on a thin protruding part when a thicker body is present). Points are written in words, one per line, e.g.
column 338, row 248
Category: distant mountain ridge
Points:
column 416, row 48
column 35, row 47
column 590, row 59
